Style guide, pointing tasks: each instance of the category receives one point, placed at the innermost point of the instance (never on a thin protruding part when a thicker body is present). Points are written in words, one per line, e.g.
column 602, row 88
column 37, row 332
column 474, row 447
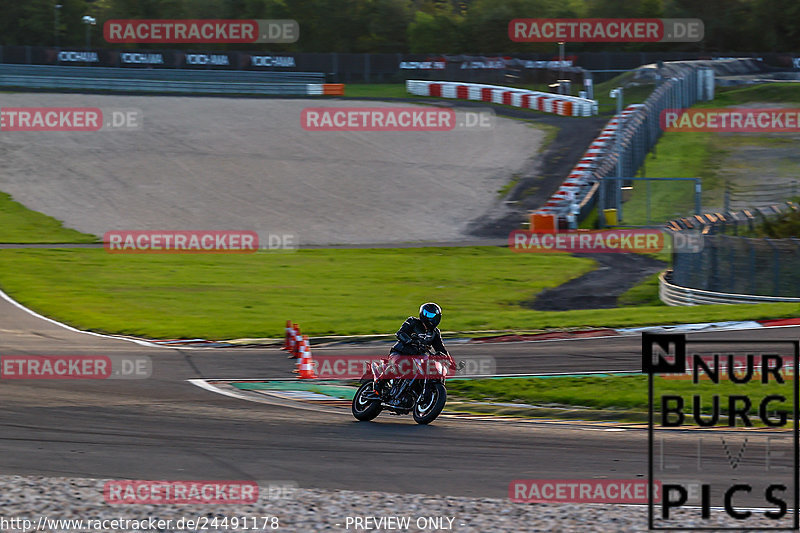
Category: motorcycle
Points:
column 419, row 391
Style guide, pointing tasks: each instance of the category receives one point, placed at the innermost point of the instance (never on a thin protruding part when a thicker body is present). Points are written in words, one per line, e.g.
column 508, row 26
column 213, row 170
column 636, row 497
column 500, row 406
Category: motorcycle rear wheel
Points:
column 431, row 406
column 364, row 409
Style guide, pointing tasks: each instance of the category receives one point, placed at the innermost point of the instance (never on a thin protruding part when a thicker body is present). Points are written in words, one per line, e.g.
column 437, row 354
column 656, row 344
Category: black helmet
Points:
column 430, row 314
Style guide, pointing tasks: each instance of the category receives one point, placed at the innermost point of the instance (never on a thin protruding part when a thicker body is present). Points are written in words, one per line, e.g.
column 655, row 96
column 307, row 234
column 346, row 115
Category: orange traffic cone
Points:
column 305, row 363
column 292, row 341
column 289, row 336
column 298, row 339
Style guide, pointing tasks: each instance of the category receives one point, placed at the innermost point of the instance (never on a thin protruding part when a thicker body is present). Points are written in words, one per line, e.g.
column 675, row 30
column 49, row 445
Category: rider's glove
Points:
column 420, row 342
column 449, row 359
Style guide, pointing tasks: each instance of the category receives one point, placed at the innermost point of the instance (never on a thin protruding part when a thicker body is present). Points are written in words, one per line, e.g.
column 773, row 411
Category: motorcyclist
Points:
column 414, row 336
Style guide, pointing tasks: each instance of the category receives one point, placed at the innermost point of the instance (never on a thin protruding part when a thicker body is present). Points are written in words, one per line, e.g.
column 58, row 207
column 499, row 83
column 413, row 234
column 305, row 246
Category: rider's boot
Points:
column 377, row 389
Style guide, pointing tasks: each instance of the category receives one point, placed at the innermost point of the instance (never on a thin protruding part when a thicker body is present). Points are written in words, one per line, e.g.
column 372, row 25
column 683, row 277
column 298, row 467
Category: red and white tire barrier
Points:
column 571, row 106
column 329, row 89
column 581, row 179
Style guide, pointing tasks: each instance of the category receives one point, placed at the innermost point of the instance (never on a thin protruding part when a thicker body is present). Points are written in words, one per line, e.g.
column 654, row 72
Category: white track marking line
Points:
column 203, row 384
column 31, row 312
column 585, row 425
column 551, row 340
column 291, row 404
column 140, row 342
column 636, row 334
column 297, row 404
column 547, row 374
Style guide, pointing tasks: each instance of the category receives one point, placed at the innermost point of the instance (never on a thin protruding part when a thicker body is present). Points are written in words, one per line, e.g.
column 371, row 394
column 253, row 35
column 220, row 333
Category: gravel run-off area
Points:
column 201, row 163
column 307, row 510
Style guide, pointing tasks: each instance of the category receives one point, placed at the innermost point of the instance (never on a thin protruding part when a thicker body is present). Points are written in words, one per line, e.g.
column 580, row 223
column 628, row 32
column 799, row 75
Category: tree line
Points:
column 413, row 26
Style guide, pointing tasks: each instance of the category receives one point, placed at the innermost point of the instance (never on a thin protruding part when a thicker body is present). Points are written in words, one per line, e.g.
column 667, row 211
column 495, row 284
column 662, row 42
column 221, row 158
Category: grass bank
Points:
column 699, row 155
column 764, row 92
column 326, row 291
column 677, row 155
column 19, row 224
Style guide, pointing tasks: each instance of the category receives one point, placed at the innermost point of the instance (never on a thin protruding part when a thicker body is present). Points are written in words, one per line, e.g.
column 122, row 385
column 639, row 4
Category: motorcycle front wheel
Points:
column 365, row 409
column 429, row 407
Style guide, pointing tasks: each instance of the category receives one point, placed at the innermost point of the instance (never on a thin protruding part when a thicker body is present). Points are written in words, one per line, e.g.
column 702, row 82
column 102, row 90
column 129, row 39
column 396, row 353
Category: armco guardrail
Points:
column 730, row 222
column 741, row 264
column 238, row 76
column 676, row 295
column 158, row 86
column 626, row 141
column 730, row 267
column 163, row 81
column 548, row 102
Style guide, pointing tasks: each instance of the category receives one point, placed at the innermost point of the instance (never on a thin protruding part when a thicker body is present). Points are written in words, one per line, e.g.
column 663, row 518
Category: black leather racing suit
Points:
column 407, row 343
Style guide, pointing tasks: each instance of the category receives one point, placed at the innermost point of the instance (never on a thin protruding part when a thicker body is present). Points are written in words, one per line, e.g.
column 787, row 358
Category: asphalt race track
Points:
column 166, row 428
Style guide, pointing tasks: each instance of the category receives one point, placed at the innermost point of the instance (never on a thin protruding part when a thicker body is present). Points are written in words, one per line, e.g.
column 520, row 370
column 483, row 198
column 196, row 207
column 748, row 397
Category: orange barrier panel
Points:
column 333, row 89
column 543, row 223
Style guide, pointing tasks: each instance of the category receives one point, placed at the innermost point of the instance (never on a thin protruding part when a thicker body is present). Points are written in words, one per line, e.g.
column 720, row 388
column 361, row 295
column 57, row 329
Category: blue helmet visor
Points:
column 428, row 314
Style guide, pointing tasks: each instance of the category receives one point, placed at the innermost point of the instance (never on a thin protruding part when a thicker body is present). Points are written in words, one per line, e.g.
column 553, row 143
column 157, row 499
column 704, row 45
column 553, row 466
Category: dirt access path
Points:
column 600, row 288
